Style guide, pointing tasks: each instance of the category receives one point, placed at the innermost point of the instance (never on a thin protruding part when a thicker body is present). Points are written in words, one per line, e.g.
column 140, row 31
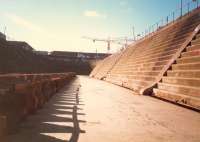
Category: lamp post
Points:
column 197, row 1
column 134, row 33
column 181, row 8
column 4, row 30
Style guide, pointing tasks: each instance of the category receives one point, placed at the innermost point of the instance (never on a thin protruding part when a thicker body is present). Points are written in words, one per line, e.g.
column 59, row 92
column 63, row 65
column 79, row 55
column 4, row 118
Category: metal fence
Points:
column 184, row 10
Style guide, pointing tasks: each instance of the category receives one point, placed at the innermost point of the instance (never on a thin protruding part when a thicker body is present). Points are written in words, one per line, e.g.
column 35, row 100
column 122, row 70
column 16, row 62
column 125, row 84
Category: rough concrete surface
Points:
column 102, row 112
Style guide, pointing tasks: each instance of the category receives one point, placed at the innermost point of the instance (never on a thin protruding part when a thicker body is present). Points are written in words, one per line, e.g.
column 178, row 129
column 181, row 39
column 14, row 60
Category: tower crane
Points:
column 124, row 41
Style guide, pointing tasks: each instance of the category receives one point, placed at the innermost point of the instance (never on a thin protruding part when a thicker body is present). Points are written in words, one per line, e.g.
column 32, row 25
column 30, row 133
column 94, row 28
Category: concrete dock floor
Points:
column 89, row 110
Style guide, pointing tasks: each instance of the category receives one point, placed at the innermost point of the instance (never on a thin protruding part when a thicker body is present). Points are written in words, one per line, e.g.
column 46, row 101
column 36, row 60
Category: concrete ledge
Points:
column 2, row 126
column 28, row 94
column 189, row 101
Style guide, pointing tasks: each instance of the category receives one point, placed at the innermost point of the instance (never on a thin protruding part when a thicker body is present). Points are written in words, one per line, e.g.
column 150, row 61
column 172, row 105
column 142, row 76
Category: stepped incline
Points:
column 105, row 66
column 181, row 84
column 143, row 64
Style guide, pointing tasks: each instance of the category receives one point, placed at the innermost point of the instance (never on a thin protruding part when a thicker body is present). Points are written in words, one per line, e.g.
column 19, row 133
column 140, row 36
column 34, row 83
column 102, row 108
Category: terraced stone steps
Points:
column 182, row 83
column 196, row 41
column 184, row 73
column 186, row 66
column 140, row 65
column 150, row 73
column 155, row 55
column 193, row 47
column 146, row 64
column 190, row 59
column 191, row 53
column 159, row 51
column 141, row 77
column 152, row 68
column 135, row 84
column 110, row 63
column 169, row 43
column 185, row 100
column 180, row 89
column 152, row 59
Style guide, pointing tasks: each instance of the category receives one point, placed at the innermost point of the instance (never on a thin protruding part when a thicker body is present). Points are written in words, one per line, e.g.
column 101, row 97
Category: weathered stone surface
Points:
column 23, row 94
column 182, row 83
column 154, row 55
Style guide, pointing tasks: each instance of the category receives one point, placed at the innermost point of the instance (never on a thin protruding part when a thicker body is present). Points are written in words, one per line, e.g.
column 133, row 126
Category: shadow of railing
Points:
column 76, row 130
column 58, row 121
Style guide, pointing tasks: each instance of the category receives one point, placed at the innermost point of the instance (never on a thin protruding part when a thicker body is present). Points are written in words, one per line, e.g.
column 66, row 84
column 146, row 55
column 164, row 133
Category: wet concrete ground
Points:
column 102, row 112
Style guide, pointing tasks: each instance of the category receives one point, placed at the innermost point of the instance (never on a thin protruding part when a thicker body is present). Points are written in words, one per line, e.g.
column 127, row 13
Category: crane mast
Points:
column 124, row 41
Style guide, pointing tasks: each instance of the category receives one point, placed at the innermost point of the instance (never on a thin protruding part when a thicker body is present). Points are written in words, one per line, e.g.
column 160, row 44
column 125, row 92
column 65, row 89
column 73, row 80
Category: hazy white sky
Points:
column 59, row 24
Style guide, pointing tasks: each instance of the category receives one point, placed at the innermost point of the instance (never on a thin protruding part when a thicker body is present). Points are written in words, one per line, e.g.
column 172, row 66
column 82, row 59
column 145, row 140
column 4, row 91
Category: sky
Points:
column 59, row 25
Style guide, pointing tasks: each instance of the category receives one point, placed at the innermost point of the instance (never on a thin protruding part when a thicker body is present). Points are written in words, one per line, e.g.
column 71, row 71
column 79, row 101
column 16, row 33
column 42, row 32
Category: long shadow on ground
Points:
column 56, row 122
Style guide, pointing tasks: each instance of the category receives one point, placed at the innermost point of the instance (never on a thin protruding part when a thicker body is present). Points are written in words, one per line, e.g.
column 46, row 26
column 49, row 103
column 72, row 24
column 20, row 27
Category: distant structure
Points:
column 68, row 56
column 2, row 36
column 123, row 41
column 20, row 44
column 15, row 54
column 44, row 53
column 17, row 44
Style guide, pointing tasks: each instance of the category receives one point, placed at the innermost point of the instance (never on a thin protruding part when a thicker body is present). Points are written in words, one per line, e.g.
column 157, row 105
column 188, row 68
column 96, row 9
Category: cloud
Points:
column 22, row 22
column 26, row 24
column 123, row 3
column 92, row 13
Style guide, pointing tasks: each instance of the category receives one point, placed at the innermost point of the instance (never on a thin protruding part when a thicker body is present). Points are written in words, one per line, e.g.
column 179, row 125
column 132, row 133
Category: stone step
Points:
column 182, row 81
column 156, row 63
column 164, row 46
column 189, row 66
column 167, row 51
column 180, row 89
column 194, row 47
column 189, row 101
column 184, row 73
column 154, row 68
column 195, row 21
column 198, row 36
column 142, row 77
column 128, row 71
column 176, row 32
column 154, row 59
column 151, row 73
column 133, row 82
column 187, row 28
column 160, row 53
column 149, row 64
column 171, row 42
column 193, row 59
column 196, row 41
column 116, row 81
column 191, row 53
column 183, row 35
column 134, row 87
